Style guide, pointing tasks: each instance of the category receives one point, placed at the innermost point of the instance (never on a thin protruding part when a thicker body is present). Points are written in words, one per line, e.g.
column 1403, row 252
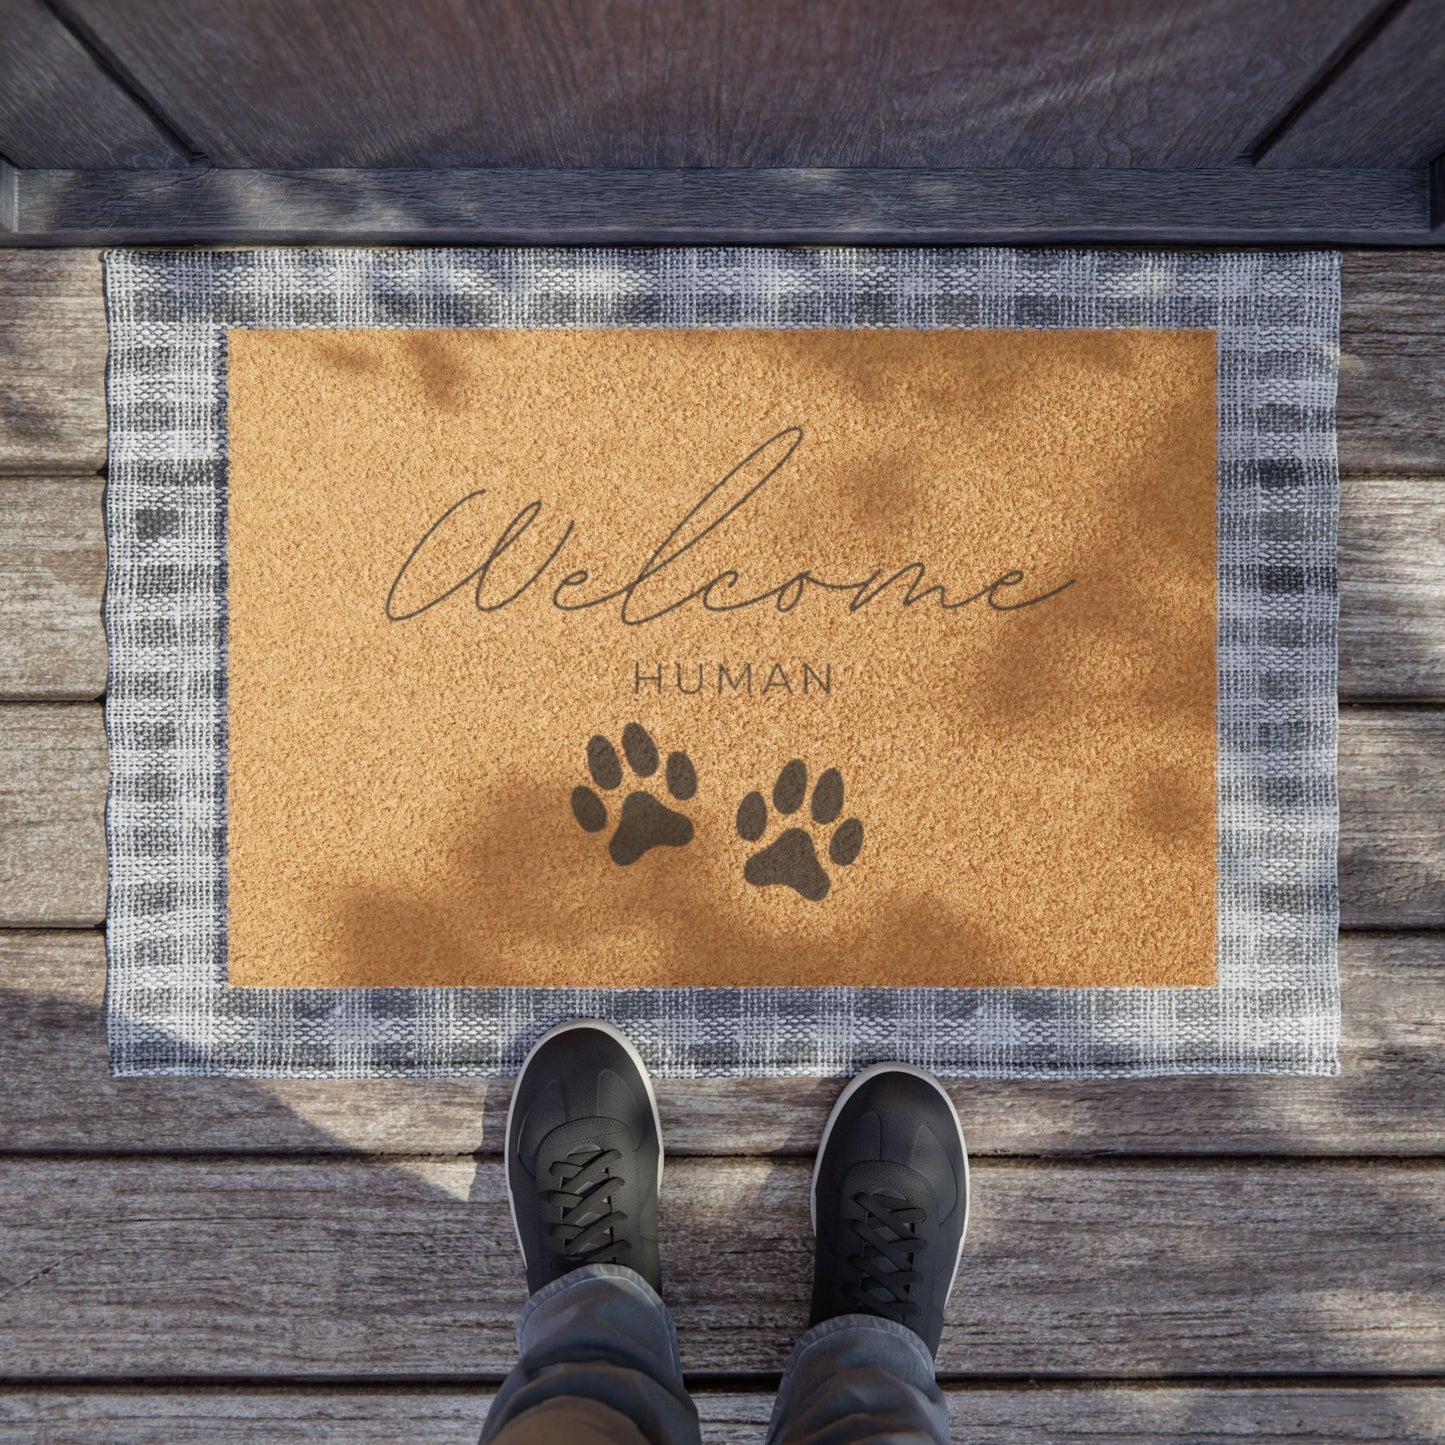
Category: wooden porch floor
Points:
column 1172, row 1260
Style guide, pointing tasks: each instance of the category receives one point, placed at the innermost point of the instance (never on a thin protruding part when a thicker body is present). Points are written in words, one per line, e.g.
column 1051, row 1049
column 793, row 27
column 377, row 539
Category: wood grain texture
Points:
column 53, row 347
column 1392, row 589
column 58, row 107
column 1209, row 1413
column 296, row 83
column 1386, row 107
column 1392, row 362
column 1392, row 819
column 53, row 770
column 294, row 1268
column 52, row 800
column 1389, row 1099
column 52, row 575
column 52, row 362
column 1222, row 205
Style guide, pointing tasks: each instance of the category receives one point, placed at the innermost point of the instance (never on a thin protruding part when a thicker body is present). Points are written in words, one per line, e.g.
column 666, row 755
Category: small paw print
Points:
column 791, row 858
column 645, row 821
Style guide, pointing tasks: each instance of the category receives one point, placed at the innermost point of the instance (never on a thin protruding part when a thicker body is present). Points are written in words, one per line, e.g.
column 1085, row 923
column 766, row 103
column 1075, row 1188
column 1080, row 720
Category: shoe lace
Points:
column 888, row 1227
column 584, row 1229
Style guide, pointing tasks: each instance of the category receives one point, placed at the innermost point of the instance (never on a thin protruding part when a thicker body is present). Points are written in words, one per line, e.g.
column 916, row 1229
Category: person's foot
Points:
column 584, row 1155
column 890, row 1201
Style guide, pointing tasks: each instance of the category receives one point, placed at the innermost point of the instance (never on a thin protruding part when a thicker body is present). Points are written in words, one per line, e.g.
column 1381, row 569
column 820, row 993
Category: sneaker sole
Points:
column 612, row 1032
column 853, row 1087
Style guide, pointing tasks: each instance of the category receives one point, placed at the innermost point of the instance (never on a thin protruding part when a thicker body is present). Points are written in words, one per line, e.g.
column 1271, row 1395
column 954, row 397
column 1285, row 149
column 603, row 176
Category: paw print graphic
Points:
column 792, row 858
column 645, row 821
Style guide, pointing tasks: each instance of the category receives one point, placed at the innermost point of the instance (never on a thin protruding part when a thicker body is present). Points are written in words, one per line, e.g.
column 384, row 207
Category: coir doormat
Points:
column 801, row 657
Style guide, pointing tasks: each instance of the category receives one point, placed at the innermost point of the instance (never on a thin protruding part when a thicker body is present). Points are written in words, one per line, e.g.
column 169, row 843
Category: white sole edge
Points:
column 854, row 1085
column 612, row 1032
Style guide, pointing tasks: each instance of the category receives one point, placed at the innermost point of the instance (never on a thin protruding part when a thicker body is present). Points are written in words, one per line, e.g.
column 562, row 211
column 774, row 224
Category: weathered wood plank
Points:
column 52, row 362
column 1392, row 362
column 53, row 770
column 59, row 108
column 1392, row 818
column 52, row 798
column 246, row 1269
column 1053, row 1414
column 53, row 345
column 1392, row 589
column 1226, row 205
column 1389, row 1099
column 52, row 575
column 1383, row 108
column 294, row 83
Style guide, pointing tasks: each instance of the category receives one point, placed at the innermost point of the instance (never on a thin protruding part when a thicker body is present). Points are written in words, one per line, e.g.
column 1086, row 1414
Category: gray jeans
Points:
column 599, row 1366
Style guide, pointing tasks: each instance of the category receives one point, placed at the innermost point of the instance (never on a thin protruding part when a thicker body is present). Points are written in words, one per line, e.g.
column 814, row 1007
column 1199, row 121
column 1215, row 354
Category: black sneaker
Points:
column 890, row 1201
column 584, row 1155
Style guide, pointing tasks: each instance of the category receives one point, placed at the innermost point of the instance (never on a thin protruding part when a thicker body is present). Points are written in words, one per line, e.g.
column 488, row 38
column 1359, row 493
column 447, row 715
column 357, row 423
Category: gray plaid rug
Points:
column 1276, row 1009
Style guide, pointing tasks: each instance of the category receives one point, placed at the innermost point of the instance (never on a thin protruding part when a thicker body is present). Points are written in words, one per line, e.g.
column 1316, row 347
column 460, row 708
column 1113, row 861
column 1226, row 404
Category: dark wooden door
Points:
column 699, row 119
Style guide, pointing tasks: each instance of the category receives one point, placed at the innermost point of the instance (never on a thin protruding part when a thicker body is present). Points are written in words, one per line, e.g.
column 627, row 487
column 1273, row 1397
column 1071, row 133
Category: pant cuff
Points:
column 625, row 1278
column 861, row 1323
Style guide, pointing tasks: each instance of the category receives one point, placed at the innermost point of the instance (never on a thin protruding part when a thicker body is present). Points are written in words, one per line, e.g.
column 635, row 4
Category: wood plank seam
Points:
column 54, row 766
column 1349, row 50
column 989, row 1414
column 1312, row 1413
column 110, row 66
column 1388, row 1100
column 702, row 1383
column 1195, row 1271
column 1391, row 584
column 1391, row 395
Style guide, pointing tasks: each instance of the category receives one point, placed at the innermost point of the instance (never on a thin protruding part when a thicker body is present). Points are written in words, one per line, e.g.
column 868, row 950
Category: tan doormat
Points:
column 799, row 657
column 627, row 658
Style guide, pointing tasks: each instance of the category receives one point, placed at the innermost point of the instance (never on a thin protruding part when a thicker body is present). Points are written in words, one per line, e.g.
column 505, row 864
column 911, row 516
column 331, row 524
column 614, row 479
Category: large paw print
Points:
column 792, row 857
column 645, row 821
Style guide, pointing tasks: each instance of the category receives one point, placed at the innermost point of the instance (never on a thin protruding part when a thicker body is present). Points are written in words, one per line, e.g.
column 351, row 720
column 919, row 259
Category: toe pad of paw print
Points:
column 792, row 858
